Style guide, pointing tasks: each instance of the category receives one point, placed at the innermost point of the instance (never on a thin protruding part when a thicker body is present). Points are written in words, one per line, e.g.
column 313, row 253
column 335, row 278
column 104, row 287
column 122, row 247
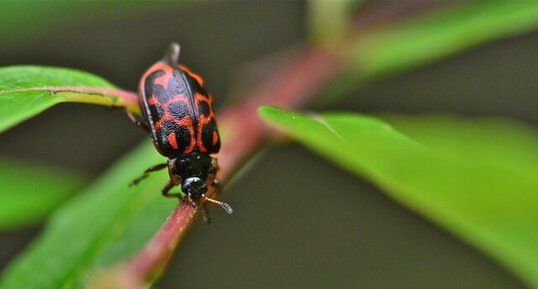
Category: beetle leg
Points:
column 213, row 172
column 213, row 169
column 216, row 184
column 166, row 190
column 191, row 201
column 143, row 125
column 146, row 173
column 205, row 214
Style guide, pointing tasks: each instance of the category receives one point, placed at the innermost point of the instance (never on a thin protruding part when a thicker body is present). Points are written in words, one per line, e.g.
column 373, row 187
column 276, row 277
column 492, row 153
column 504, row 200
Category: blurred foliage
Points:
column 329, row 21
column 489, row 203
column 23, row 20
column 398, row 46
column 106, row 223
column 27, row 19
column 30, row 192
column 440, row 33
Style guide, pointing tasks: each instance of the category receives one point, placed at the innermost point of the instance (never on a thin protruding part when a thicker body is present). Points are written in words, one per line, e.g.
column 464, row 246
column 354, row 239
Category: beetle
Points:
column 177, row 112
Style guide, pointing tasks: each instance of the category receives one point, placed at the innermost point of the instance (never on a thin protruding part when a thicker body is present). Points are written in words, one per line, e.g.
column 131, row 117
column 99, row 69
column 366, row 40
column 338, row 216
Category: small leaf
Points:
column 30, row 192
column 425, row 38
column 103, row 225
column 28, row 90
column 421, row 40
column 493, row 206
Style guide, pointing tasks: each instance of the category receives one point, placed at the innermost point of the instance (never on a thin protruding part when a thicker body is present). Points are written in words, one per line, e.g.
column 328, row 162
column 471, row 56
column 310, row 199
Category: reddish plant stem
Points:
column 291, row 87
column 150, row 262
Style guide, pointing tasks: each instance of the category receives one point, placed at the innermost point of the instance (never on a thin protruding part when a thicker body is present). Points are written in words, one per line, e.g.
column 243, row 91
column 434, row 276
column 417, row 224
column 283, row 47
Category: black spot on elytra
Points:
column 161, row 142
column 149, row 84
column 207, row 137
column 169, row 126
column 156, row 112
column 176, row 85
column 153, row 89
column 195, row 85
column 203, row 107
column 178, row 109
column 184, row 137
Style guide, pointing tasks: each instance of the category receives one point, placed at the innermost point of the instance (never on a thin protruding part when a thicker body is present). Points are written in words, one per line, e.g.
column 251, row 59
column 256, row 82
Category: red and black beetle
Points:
column 177, row 111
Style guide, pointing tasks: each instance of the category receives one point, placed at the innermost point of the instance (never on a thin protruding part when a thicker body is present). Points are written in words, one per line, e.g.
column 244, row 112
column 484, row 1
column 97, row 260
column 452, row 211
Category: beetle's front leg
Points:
column 216, row 184
column 166, row 190
column 146, row 173
column 213, row 174
column 141, row 124
column 214, row 168
column 205, row 214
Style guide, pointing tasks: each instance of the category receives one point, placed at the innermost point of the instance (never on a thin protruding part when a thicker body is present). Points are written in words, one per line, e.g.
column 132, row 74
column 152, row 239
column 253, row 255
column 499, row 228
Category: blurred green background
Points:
column 298, row 221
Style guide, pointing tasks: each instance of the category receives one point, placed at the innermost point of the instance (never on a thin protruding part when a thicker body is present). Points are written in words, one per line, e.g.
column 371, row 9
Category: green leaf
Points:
column 492, row 206
column 28, row 90
column 423, row 39
column 420, row 41
column 108, row 222
column 30, row 192
column 497, row 141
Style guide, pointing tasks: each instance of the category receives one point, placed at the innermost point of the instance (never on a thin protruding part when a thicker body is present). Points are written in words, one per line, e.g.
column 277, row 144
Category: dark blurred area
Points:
column 299, row 221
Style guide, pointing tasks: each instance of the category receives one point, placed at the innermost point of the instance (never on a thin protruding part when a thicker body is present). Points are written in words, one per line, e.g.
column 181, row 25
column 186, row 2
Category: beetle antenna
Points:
column 172, row 55
column 223, row 205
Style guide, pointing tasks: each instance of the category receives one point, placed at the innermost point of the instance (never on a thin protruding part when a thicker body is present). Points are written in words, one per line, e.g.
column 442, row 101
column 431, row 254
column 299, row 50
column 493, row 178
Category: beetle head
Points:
column 194, row 187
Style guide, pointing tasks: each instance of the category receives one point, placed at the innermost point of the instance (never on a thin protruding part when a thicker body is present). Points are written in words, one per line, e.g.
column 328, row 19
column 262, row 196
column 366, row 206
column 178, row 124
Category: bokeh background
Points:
column 299, row 222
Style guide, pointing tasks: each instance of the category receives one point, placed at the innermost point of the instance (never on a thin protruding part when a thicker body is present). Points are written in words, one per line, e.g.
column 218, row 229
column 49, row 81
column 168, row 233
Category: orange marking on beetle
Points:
column 153, row 100
column 215, row 137
column 155, row 67
column 164, row 117
column 172, row 140
column 209, row 100
column 200, row 97
column 197, row 77
column 188, row 123
column 202, row 121
column 163, row 79
column 184, row 122
column 178, row 99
